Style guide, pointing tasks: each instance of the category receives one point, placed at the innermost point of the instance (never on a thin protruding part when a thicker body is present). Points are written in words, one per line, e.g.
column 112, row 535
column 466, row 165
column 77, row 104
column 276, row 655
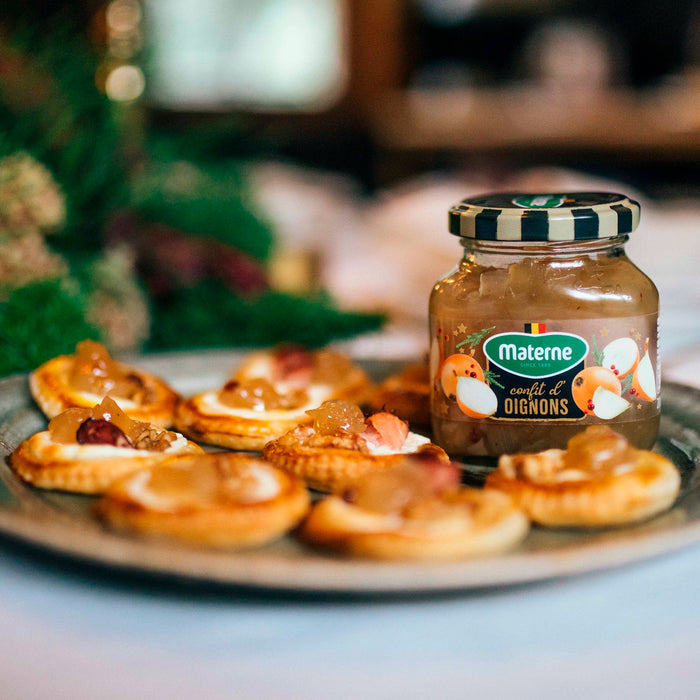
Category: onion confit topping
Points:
column 337, row 415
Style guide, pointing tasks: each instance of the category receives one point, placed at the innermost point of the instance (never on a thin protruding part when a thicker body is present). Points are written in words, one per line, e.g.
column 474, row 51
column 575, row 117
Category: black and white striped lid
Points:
column 519, row 216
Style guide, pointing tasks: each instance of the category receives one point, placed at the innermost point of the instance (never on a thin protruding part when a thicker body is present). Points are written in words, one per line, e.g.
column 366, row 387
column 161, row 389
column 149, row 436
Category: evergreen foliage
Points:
column 49, row 106
column 208, row 316
column 51, row 109
column 201, row 199
column 38, row 322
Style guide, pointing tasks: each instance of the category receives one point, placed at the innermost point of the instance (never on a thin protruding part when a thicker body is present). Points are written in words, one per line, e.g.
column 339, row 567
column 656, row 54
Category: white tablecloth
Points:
column 627, row 633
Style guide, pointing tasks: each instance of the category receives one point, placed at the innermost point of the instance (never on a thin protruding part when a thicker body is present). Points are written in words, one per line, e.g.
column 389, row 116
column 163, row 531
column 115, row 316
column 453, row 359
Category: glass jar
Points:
column 544, row 327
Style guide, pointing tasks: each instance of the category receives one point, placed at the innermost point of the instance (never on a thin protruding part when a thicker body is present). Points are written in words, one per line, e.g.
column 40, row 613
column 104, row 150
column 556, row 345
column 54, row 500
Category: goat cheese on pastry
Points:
column 216, row 499
column 415, row 510
column 342, row 445
column 85, row 378
column 598, row 480
column 86, row 449
column 268, row 395
column 290, row 367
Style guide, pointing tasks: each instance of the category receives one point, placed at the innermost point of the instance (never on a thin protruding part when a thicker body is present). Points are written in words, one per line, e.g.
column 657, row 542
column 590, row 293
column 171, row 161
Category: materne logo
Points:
column 535, row 356
column 539, row 201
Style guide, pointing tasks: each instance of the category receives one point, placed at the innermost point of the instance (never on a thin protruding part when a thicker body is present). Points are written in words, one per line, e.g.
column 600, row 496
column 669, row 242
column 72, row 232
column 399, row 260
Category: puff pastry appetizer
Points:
column 85, row 378
column 415, row 510
column 222, row 500
column 406, row 394
column 268, row 395
column 598, row 480
column 342, row 445
column 86, row 449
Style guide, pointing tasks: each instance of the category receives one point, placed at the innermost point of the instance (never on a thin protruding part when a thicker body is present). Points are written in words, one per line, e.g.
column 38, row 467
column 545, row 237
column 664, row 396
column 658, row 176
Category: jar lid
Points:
column 519, row 216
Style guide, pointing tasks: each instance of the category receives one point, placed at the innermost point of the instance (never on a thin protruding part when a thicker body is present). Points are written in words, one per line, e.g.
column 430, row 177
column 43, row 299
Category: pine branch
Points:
column 475, row 338
column 29, row 338
column 597, row 354
column 628, row 382
column 187, row 319
column 51, row 108
column 202, row 200
column 491, row 378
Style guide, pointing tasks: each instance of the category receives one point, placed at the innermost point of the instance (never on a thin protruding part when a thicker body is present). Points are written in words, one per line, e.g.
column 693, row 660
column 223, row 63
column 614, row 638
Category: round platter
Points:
column 62, row 523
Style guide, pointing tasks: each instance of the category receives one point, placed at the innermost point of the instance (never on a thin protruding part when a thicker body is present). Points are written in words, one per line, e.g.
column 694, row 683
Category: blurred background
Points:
column 179, row 174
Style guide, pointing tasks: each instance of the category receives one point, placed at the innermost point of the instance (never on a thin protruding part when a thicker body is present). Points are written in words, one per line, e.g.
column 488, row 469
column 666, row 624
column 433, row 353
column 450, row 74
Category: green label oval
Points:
column 535, row 356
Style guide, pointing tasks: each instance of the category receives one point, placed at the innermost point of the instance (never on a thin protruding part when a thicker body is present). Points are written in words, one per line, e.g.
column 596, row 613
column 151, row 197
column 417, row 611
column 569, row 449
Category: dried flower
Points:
column 117, row 305
column 30, row 199
column 28, row 259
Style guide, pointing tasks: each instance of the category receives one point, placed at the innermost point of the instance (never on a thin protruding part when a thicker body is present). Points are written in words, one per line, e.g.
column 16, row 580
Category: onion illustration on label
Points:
column 476, row 398
column 621, row 357
column 458, row 366
column 643, row 382
column 464, row 380
column 596, row 391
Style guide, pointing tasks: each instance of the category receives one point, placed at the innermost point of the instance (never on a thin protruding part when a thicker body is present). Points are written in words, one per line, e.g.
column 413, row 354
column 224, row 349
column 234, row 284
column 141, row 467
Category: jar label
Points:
column 595, row 369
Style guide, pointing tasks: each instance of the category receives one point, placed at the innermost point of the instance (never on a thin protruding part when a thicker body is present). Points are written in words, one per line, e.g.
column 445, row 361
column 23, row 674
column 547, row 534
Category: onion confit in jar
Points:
column 545, row 326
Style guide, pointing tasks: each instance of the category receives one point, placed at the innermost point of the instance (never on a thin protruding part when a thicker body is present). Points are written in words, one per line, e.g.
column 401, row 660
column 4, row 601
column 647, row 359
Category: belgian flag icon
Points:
column 535, row 328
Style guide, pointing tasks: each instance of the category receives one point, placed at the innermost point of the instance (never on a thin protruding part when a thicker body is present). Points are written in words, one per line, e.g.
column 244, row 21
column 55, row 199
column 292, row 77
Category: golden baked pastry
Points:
column 342, row 445
column 329, row 373
column 222, row 500
column 85, row 378
column 598, row 480
column 268, row 395
column 412, row 511
column 86, row 449
column 406, row 394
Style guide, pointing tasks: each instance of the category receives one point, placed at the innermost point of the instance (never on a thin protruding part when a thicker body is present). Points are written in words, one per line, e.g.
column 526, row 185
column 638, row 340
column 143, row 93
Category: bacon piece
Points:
column 293, row 365
column 442, row 476
column 386, row 429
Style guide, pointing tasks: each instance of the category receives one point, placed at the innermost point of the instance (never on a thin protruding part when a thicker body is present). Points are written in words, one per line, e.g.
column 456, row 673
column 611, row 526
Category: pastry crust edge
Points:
column 331, row 469
column 235, row 526
column 234, row 432
column 89, row 476
column 49, row 389
column 500, row 534
column 650, row 488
